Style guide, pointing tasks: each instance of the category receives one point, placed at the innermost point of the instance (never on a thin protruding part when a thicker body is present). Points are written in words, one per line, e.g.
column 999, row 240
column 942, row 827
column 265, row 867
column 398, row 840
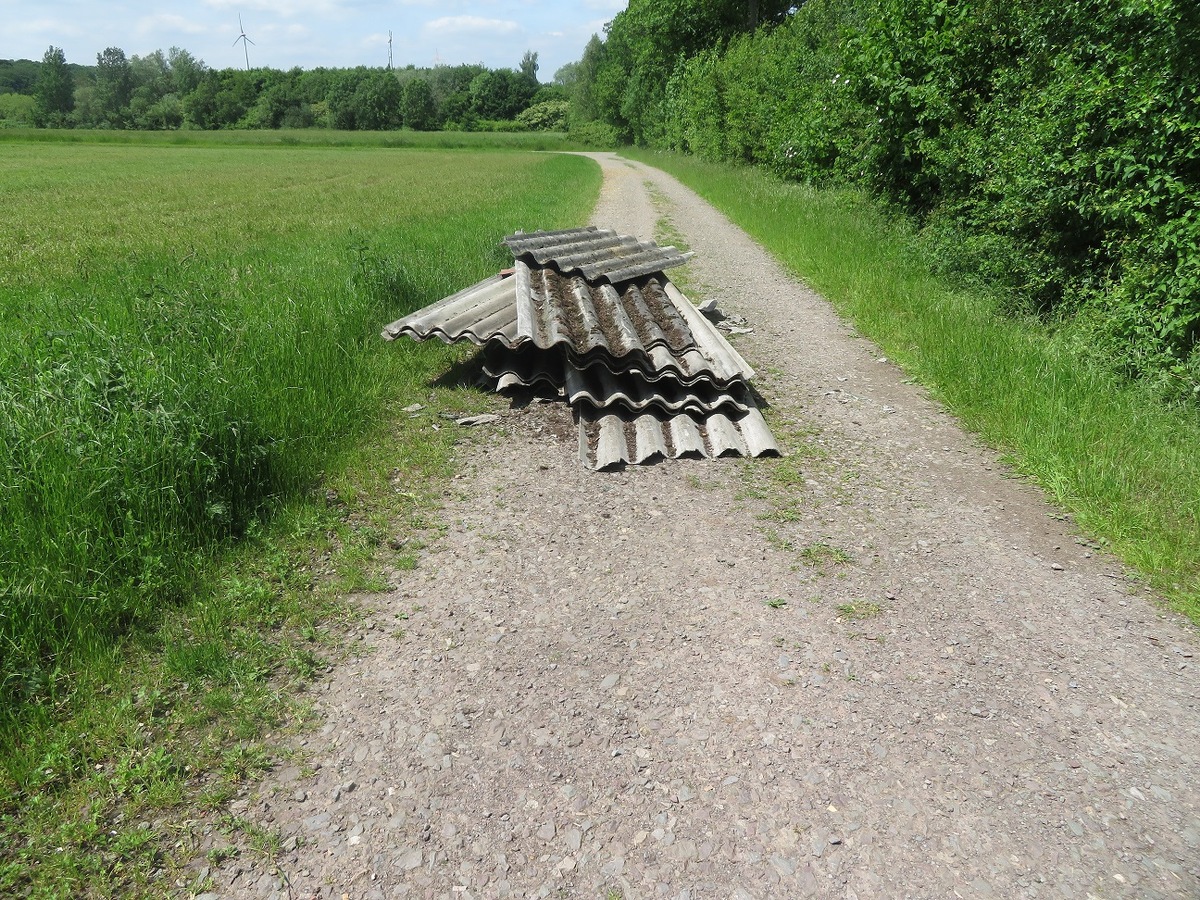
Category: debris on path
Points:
column 590, row 313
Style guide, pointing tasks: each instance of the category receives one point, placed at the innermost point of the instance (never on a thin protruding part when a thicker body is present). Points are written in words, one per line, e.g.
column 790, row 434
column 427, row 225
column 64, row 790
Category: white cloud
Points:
column 161, row 22
column 286, row 8
column 41, row 27
column 471, row 25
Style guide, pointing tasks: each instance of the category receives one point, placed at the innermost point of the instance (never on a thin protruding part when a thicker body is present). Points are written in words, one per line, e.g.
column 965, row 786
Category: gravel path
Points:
column 876, row 668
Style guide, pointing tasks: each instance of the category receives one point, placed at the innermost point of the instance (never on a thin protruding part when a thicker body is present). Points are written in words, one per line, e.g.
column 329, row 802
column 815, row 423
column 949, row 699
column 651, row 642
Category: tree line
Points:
column 177, row 90
column 1048, row 149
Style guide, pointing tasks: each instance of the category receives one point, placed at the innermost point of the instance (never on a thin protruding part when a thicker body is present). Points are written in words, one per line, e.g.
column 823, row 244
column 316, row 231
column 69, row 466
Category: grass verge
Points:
column 304, row 137
column 1120, row 461
column 202, row 457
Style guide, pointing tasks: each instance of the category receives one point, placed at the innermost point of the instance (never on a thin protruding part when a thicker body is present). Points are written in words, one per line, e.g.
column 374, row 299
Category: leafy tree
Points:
column 529, row 66
column 239, row 90
column 114, row 86
column 648, row 38
column 548, row 92
column 343, row 109
column 152, row 82
column 420, row 111
column 567, row 75
column 584, row 107
column 489, row 95
column 87, row 112
column 455, row 111
column 18, row 76
column 377, row 102
column 282, row 102
column 1051, row 150
column 447, row 80
column 186, row 70
column 500, row 94
column 54, row 97
column 200, row 105
column 164, row 113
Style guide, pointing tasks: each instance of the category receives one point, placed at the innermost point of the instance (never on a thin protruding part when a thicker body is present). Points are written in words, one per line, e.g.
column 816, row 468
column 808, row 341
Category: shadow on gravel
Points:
column 758, row 398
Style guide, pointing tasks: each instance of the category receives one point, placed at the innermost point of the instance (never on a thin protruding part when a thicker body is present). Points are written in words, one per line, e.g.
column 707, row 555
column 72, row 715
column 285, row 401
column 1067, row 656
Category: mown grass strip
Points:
column 303, row 137
column 1121, row 462
column 203, row 454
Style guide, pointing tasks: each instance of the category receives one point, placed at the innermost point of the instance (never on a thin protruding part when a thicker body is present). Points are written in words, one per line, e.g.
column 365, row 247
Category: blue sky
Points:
column 310, row 33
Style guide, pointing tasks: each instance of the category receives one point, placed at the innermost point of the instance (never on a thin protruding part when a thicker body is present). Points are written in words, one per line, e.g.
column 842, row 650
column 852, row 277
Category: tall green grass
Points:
column 304, row 137
column 1125, row 465
column 188, row 335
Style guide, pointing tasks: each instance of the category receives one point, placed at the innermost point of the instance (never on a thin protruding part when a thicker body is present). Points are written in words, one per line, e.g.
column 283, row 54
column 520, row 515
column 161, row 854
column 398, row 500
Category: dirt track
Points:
column 598, row 694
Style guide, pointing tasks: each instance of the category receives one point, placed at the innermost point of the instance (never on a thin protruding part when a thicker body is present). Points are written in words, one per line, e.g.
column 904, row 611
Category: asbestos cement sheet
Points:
column 483, row 312
column 589, row 314
column 600, row 388
column 598, row 254
column 608, row 440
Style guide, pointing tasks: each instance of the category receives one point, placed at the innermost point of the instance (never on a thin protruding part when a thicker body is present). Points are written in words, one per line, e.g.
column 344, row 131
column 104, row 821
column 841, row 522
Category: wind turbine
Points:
column 245, row 40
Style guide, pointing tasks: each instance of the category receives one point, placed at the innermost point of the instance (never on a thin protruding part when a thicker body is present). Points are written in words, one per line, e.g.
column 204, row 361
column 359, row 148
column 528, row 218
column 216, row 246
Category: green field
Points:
column 190, row 363
column 302, row 137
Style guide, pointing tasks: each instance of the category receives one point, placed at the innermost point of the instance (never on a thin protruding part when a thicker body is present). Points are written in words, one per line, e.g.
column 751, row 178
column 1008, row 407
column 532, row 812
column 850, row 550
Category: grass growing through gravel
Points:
column 201, row 456
column 857, row 610
column 1123, row 464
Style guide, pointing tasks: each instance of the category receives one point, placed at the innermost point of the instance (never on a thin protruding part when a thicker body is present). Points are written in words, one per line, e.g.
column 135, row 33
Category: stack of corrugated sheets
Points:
column 590, row 313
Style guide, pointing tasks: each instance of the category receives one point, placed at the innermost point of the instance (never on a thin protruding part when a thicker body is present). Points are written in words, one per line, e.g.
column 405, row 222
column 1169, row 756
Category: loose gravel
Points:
column 879, row 667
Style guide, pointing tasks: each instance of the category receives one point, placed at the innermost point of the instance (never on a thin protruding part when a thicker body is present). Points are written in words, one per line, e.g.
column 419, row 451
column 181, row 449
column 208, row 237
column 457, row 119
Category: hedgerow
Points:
column 1050, row 149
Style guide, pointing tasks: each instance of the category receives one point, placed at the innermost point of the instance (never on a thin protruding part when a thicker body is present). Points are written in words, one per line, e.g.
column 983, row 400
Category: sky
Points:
column 311, row 33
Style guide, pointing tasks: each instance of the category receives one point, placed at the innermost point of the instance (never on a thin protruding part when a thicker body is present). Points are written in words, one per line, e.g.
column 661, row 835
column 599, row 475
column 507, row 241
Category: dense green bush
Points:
column 1051, row 149
column 778, row 97
column 16, row 111
column 549, row 115
column 595, row 134
column 1067, row 137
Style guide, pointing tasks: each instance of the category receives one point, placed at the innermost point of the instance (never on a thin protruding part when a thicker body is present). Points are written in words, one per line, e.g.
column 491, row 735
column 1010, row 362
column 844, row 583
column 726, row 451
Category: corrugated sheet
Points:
column 649, row 326
column 598, row 254
column 608, row 440
column 589, row 314
column 524, row 367
column 601, row 389
column 658, row 364
column 567, row 309
column 598, row 387
column 480, row 313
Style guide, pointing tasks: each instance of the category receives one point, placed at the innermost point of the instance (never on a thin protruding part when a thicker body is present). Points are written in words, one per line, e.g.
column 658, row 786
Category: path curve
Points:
column 601, row 694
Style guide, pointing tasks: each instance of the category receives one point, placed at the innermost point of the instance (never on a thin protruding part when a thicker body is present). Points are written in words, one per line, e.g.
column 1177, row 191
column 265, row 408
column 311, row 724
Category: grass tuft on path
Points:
column 1123, row 464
